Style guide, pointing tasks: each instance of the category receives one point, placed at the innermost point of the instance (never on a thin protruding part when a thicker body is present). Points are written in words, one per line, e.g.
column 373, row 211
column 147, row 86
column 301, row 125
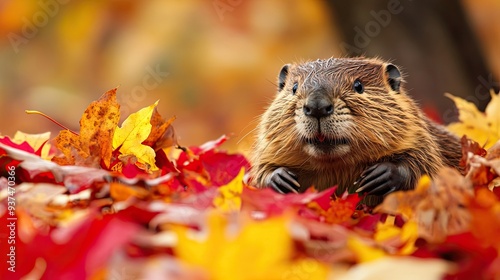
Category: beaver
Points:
column 347, row 122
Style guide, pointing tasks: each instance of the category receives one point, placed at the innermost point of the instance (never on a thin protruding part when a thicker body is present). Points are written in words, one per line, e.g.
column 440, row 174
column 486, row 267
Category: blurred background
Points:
column 213, row 63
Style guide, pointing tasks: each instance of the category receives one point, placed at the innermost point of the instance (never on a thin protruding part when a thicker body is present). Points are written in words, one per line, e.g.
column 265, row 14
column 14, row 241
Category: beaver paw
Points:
column 284, row 181
column 382, row 179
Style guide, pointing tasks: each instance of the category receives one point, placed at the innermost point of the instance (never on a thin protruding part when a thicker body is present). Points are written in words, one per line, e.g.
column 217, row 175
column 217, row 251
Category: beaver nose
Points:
column 318, row 107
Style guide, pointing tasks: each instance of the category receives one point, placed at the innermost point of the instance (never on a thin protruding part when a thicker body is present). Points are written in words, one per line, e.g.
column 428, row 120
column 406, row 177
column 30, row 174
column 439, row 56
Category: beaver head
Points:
column 335, row 107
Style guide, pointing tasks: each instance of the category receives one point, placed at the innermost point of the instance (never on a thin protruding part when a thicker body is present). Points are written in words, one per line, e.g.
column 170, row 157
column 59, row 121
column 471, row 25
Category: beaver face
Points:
column 343, row 105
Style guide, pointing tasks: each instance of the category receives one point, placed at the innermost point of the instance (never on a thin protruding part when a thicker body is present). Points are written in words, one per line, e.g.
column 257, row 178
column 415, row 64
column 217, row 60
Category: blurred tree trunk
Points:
column 430, row 39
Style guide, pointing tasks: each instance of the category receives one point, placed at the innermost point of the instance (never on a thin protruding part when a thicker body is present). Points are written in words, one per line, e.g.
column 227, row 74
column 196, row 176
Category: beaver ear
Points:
column 393, row 77
column 282, row 76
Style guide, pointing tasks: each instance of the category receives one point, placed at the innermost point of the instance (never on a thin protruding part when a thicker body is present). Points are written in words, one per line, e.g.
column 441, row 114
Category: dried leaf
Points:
column 469, row 148
column 437, row 207
column 162, row 132
column 94, row 142
column 484, row 170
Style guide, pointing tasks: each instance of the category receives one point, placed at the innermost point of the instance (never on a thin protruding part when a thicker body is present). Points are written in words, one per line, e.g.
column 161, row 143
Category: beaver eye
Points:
column 358, row 86
column 295, row 87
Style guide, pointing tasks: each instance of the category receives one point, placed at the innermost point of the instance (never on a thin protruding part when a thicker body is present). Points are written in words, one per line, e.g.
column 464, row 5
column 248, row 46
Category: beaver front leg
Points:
column 385, row 177
column 282, row 180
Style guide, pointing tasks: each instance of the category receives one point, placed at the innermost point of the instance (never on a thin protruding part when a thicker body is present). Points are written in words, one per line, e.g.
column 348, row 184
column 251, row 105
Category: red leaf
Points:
column 273, row 203
column 473, row 260
column 217, row 168
column 82, row 249
column 23, row 146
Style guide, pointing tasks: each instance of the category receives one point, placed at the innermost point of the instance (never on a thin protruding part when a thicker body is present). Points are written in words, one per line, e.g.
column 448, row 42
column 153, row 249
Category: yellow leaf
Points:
column 483, row 128
column 134, row 130
column 363, row 251
column 386, row 230
column 228, row 198
column 406, row 235
column 409, row 235
column 264, row 246
column 35, row 141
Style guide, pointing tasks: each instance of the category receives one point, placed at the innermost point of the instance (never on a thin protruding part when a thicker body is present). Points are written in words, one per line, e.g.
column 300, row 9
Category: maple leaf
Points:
column 37, row 141
column 75, row 178
column 400, row 239
column 210, row 167
column 224, row 254
column 339, row 210
column 129, row 137
column 484, row 171
column 229, row 196
column 470, row 259
column 76, row 250
column 24, row 146
column 272, row 203
column 93, row 143
column 438, row 207
column 483, row 128
column 469, row 148
column 162, row 132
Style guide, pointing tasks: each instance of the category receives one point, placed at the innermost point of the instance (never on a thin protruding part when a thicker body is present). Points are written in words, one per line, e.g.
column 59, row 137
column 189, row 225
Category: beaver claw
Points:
column 284, row 181
column 382, row 179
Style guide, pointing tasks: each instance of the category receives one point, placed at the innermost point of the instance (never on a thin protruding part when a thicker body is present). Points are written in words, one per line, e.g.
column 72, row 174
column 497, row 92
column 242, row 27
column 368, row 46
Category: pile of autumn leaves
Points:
column 128, row 202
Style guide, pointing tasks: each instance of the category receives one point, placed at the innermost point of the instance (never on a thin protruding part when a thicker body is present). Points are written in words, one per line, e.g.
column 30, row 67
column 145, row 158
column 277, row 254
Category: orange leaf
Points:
column 121, row 192
column 162, row 132
column 98, row 124
column 94, row 143
column 69, row 144
column 485, row 209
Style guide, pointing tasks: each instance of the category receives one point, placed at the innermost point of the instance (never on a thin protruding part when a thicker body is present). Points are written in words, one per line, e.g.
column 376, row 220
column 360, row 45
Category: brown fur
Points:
column 380, row 125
